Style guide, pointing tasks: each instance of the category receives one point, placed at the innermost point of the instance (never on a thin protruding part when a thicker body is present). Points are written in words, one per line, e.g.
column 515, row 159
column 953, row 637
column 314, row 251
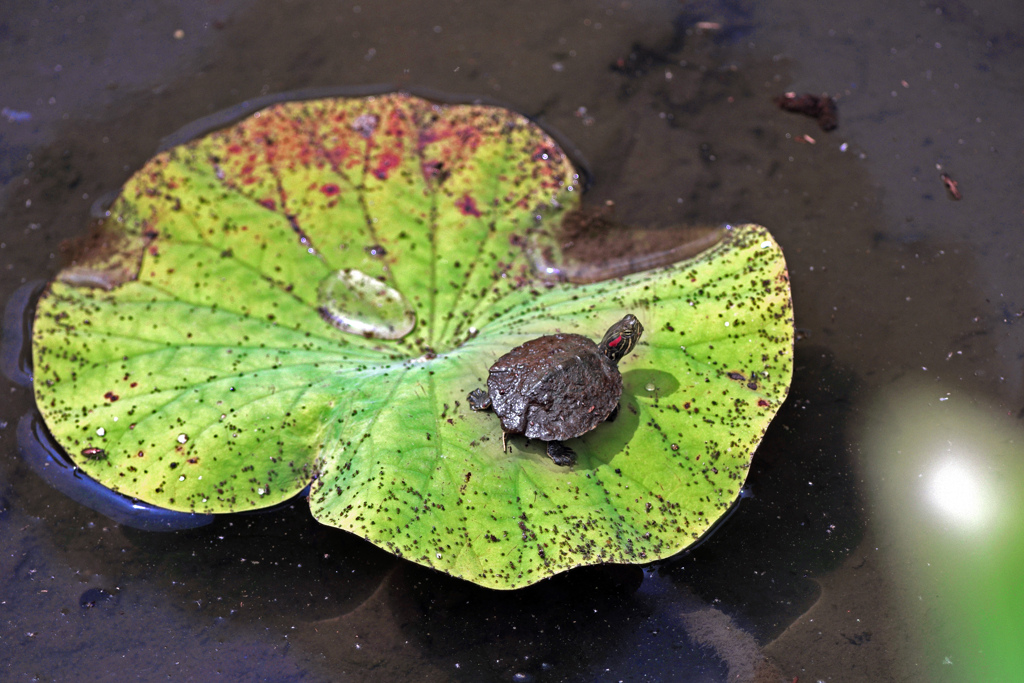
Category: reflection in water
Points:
column 44, row 457
column 361, row 304
column 598, row 624
column 15, row 347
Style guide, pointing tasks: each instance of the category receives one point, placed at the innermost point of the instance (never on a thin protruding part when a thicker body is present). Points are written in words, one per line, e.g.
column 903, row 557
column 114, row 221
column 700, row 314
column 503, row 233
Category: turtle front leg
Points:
column 614, row 414
column 561, row 454
column 479, row 399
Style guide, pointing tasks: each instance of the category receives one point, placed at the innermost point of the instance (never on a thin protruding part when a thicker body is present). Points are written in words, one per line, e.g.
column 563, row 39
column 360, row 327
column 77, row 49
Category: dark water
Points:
column 896, row 285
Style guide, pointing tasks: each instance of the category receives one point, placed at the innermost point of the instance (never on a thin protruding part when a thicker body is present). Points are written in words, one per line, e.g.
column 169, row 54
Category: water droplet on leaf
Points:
column 355, row 302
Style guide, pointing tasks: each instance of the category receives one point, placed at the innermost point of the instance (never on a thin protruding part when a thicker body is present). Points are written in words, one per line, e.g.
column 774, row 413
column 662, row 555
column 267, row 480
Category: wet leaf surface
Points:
column 311, row 294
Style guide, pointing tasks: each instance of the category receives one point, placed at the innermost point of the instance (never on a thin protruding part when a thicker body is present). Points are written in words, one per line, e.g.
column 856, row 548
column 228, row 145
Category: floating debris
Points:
column 820, row 107
column 952, row 187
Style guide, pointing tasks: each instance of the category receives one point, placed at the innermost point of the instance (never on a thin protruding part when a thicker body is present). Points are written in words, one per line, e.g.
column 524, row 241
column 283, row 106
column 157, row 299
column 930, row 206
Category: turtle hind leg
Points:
column 479, row 399
column 614, row 414
column 561, row 454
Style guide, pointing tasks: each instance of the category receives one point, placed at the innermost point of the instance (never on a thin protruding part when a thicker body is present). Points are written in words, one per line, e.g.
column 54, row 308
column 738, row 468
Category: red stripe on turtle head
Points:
column 615, row 342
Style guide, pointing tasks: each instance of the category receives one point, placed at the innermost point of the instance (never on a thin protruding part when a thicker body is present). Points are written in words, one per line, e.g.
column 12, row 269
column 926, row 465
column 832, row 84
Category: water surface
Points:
column 894, row 283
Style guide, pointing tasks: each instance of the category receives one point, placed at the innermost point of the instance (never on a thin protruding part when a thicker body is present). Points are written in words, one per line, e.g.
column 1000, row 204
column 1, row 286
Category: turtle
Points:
column 558, row 386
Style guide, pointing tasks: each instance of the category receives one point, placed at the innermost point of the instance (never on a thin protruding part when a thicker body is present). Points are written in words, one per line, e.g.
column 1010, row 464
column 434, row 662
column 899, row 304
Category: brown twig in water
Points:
column 951, row 186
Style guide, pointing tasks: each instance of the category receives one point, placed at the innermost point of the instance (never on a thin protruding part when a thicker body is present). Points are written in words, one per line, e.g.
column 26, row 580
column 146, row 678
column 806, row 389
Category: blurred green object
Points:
column 947, row 474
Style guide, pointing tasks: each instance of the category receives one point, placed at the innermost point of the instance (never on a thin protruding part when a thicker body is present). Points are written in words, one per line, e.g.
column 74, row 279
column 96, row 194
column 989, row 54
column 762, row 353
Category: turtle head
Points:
column 621, row 338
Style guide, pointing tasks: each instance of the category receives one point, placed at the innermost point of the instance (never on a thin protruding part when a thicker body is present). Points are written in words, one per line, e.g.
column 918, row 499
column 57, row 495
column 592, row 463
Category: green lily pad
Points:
column 310, row 295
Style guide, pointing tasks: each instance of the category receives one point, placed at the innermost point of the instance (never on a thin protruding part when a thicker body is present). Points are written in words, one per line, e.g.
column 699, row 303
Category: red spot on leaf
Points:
column 234, row 149
column 339, row 155
column 467, row 205
column 330, row 189
column 469, row 136
column 387, row 161
column 427, row 137
column 762, row 403
column 268, row 204
column 111, row 396
column 432, row 169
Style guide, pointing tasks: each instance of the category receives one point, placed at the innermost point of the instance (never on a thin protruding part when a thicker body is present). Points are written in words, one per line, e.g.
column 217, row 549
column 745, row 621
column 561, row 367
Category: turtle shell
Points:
column 554, row 387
